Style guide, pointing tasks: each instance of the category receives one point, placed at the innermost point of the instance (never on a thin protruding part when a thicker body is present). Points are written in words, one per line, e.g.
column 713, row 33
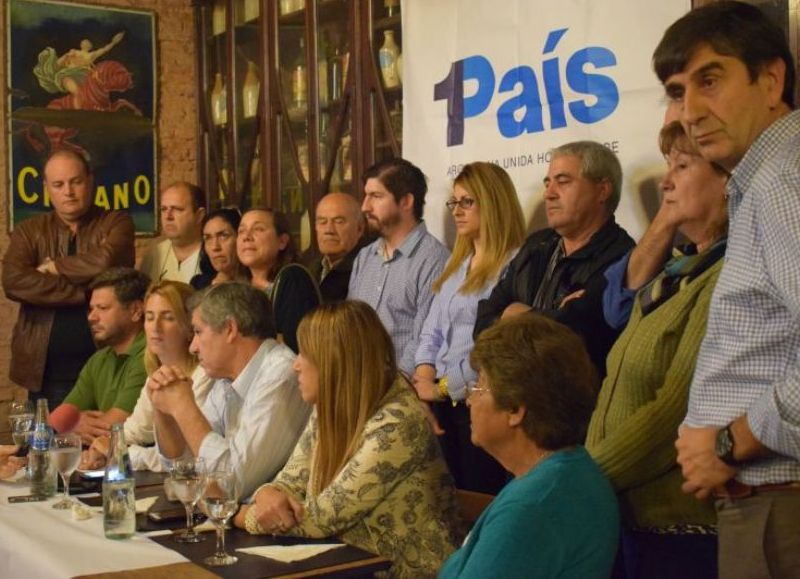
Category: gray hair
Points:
column 598, row 163
column 238, row 302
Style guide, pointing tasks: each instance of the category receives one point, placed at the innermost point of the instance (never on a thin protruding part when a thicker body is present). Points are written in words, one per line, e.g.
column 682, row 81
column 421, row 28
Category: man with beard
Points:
column 109, row 384
column 395, row 273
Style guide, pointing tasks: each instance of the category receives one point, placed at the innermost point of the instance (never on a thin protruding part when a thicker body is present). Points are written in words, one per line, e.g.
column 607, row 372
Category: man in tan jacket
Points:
column 51, row 260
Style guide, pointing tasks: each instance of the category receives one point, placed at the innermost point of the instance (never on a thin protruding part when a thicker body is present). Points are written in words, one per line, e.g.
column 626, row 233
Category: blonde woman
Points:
column 490, row 228
column 168, row 332
column 367, row 469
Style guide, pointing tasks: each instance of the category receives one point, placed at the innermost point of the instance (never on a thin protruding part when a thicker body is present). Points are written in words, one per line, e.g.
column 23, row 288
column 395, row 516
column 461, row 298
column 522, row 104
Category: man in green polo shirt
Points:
column 109, row 383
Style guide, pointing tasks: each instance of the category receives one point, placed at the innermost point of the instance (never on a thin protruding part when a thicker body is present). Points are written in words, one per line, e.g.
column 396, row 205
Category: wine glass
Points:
column 186, row 477
column 65, row 451
column 20, row 416
column 220, row 501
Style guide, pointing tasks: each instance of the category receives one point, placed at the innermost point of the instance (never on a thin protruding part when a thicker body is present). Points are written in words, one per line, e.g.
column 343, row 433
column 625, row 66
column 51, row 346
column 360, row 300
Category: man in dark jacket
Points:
column 340, row 229
column 50, row 261
column 559, row 271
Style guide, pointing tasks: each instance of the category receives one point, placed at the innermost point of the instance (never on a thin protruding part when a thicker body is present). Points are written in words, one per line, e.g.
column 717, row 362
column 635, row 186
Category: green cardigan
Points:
column 642, row 402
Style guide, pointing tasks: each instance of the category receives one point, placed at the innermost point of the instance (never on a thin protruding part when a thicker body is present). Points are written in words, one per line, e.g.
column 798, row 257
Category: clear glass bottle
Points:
column 219, row 101
column 387, row 56
column 337, row 80
column 41, row 468
column 250, row 91
column 119, row 502
column 300, row 81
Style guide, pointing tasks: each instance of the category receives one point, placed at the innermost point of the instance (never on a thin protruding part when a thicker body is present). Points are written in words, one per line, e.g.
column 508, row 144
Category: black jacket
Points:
column 334, row 287
column 582, row 270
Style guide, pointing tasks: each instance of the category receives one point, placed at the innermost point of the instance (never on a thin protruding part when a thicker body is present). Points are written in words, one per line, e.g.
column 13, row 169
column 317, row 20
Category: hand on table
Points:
column 96, row 455
column 10, row 464
column 276, row 511
column 91, row 425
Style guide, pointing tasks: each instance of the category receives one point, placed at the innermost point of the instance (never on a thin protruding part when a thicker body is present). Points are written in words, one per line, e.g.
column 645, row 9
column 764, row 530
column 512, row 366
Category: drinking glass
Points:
column 20, row 417
column 186, row 477
column 65, row 451
column 220, row 501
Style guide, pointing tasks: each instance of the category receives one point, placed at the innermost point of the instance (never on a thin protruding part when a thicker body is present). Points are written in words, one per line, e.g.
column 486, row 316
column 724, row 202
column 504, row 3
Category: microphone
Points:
column 64, row 418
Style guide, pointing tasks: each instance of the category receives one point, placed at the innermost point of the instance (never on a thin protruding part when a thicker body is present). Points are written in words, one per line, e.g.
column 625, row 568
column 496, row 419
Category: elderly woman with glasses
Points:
column 533, row 399
column 490, row 228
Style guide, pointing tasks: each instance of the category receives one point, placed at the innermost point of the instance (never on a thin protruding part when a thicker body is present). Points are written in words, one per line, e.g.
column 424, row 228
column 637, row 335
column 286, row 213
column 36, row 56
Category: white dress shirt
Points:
column 256, row 419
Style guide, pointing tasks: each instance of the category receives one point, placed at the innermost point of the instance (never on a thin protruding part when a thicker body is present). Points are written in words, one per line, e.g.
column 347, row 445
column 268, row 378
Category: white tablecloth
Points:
column 39, row 542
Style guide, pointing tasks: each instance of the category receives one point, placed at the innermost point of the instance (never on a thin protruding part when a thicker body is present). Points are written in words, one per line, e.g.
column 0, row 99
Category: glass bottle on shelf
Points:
column 251, row 10
column 398, row 65
column 250, row 91
column 391, row 6
column 219, row 101
column 299, row 104
column 396, row 120
column 322, row 72
column 387, row 56
column 218, row 18
column 337, row 80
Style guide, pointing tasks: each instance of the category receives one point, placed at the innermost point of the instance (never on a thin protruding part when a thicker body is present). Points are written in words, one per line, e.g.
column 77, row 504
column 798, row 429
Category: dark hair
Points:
column 239, row 302
column 196, row 194
column 730, row 28
column 130, row 285
column 282, row 226
column 231, row 215
column 401, row 178
column 71, row 154
column 533, row 361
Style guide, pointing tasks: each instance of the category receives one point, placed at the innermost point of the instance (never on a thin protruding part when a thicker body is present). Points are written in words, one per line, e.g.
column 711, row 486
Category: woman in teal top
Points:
column 529, row 409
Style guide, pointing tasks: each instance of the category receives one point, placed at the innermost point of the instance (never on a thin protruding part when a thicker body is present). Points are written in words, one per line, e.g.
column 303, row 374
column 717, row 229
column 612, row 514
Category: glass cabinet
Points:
column 298, row 97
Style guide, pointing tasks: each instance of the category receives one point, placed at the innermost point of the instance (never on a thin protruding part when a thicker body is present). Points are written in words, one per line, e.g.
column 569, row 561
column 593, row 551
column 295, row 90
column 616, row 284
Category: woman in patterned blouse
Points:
column 368, row 468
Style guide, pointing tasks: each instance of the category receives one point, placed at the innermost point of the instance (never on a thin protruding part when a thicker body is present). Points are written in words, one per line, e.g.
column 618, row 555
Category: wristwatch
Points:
column 724, row 446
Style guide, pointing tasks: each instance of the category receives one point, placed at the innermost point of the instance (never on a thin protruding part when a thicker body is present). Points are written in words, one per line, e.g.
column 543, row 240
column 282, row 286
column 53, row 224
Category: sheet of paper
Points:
column 290, row 553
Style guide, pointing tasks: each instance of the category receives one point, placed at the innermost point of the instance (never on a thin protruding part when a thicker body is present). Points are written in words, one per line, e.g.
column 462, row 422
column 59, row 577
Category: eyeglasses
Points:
column 474, row 388
column 463, row 203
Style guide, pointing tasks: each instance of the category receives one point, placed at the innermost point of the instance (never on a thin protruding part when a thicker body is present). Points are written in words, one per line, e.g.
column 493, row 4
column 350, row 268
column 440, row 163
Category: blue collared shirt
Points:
column 399, row 287
column 446, row 339
column 749, row 361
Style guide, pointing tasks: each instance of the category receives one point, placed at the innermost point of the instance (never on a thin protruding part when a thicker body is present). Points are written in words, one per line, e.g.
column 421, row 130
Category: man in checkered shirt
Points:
column 729, row 75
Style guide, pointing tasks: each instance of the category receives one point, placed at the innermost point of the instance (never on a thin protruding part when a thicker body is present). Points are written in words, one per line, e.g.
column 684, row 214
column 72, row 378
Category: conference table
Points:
column 39, row 542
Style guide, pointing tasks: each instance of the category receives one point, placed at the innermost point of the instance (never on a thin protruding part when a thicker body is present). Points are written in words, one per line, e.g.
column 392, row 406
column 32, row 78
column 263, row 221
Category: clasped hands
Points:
column 169, row 390
column 276, row 511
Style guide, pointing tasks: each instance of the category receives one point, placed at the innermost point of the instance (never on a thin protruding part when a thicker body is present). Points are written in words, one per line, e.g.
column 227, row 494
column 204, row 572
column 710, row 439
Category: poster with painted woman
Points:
column 83, row 78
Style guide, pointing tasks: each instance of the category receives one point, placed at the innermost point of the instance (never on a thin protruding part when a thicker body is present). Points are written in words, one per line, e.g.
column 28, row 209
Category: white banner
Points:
column 506, row 81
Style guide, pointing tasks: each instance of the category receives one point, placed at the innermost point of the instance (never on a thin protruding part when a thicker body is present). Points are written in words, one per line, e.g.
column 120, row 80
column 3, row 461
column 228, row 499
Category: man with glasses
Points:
column 559, row 270
column 177, row 257
column 394, row 274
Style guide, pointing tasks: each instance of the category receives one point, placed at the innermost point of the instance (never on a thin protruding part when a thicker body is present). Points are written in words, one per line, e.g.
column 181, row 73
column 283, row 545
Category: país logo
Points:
column 602, row 88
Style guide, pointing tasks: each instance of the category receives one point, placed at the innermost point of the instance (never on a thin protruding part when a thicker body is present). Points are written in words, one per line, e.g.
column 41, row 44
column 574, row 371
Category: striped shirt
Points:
column 749, row 361
column 398, row 287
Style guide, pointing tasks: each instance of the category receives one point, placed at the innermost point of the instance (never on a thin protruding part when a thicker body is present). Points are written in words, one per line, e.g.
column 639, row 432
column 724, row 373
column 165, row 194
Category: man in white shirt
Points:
column 254, row 414
column 177, row 257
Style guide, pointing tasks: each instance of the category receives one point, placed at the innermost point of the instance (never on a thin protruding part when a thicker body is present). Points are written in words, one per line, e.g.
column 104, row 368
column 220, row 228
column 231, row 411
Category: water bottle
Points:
column 41, row 468
column 119, row 504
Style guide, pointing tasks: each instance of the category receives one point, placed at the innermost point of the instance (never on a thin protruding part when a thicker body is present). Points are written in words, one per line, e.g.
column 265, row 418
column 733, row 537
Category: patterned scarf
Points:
column 685, row 266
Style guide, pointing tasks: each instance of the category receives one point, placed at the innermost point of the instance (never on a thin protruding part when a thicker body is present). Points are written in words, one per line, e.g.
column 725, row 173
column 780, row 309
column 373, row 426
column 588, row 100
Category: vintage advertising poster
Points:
column 82, row 77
